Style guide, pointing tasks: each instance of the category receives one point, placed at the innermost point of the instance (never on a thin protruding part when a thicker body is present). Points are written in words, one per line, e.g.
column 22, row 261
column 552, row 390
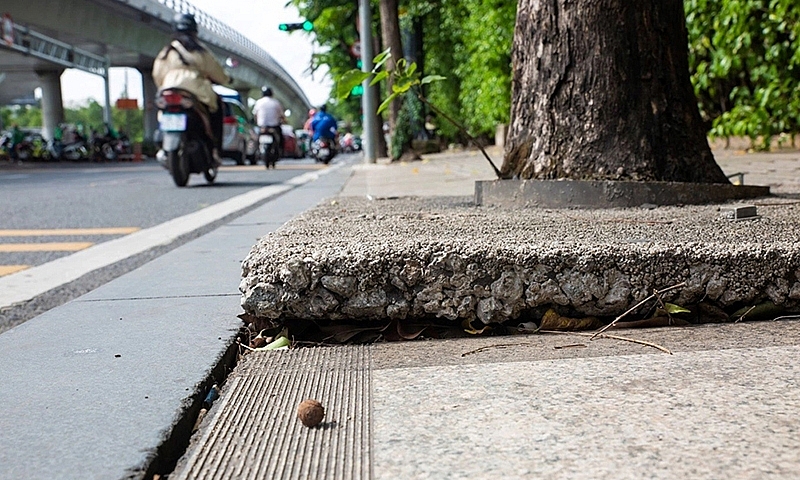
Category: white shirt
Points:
column 268, row 112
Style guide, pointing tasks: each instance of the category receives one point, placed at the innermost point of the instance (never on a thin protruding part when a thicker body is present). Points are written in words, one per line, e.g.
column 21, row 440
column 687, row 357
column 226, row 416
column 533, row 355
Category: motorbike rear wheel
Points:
column 178, row 167
column 211, row 174
column 272, row 156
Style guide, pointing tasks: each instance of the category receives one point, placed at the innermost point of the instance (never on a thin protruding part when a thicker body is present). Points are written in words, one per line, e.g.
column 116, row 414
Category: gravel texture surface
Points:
column 410, row 258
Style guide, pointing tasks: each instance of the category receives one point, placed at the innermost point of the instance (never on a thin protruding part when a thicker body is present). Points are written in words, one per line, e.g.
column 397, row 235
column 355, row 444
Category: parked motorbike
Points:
column 187, row 138
column 5, row 146
column 269, row 147
column 323, row 150
column 76, row 150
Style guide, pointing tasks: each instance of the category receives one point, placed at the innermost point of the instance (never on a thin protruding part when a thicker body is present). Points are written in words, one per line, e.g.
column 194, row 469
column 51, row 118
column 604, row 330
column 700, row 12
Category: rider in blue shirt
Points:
column 323, row 124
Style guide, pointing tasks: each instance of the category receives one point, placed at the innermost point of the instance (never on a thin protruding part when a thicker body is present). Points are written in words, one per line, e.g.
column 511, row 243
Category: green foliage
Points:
column 409, row 120
column 744, row 60
column 745, row 66
column 22, row 115
column 485, row 73
column 89, row 116
column 335, row 31
column 467, row 41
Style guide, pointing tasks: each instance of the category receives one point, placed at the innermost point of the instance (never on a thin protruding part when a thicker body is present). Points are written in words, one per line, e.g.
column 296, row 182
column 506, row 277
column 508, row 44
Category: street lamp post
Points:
column 368, row 98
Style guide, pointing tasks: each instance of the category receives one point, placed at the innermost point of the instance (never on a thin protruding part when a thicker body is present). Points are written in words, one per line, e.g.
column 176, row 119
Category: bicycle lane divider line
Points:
column 44, row 247
column 9, row 269
column 27, row 284
column 50, row 246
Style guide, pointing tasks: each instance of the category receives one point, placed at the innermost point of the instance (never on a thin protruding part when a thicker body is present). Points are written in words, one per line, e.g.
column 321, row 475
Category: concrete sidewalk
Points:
column 723, row 404
column 109, row 385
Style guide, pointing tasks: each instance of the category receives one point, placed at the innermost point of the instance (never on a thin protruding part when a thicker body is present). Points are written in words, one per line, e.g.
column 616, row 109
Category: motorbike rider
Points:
column 307, row 124
column 269, row 113
column 323, row 125
column 188, row 64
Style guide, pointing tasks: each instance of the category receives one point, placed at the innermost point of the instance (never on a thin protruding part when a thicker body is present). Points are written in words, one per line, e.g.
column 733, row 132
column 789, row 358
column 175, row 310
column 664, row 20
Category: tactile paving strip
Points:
column 255, row 433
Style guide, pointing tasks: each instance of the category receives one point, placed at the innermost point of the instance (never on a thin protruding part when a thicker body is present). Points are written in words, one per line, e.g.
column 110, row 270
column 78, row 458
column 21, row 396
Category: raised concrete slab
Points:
column 382, row 253
column 420, row 258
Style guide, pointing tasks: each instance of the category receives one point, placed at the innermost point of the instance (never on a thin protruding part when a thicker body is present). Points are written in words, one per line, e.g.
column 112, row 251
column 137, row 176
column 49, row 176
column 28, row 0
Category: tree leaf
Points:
column 432, row 78
column 383, row 106
column 378, row 77
column 380, row 59
column 672, row 309
column 349, row 80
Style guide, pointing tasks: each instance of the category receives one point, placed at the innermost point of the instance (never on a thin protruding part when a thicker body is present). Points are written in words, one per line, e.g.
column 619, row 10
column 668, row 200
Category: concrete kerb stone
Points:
column 607, row 194
column 356, row 260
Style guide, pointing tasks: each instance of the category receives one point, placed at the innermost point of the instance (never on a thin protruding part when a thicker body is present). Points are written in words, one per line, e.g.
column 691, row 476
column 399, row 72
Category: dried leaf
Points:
column 467, row 326
column 553, row 321
column 762, row 311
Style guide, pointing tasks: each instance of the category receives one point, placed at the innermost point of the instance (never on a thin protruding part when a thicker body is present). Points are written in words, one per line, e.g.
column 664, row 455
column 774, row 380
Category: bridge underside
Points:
column 128, row 33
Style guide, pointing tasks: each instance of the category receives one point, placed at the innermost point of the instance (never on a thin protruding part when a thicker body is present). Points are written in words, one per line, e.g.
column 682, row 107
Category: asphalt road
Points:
column 50, row 211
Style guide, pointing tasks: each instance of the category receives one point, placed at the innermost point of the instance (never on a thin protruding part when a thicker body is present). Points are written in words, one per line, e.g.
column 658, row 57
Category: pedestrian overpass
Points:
column 41, row 38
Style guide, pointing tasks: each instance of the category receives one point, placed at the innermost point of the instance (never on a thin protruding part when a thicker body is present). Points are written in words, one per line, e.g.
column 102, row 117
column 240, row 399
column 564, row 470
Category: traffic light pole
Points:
column 367, row 99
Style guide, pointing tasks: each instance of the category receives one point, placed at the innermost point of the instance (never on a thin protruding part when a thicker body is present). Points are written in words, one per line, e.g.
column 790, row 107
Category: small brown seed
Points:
column 310, row 412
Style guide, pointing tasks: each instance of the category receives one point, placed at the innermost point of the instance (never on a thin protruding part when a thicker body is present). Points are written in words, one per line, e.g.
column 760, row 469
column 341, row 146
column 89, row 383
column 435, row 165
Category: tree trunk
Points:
column 390, row 33
column 601, row 91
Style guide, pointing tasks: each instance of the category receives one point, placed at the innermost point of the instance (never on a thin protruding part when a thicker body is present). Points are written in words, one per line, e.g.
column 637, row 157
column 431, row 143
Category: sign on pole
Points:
column 127, row 104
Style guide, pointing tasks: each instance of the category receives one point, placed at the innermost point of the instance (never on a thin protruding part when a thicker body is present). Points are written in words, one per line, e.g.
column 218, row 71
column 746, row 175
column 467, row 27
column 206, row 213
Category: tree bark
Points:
column 601, row 91
column 390, row 33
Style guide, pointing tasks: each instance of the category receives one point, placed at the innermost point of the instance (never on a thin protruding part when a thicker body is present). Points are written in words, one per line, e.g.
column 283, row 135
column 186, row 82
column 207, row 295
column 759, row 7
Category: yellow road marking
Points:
column 9, row 269
column 246, row 168
column 69, row 231
column 45, row 247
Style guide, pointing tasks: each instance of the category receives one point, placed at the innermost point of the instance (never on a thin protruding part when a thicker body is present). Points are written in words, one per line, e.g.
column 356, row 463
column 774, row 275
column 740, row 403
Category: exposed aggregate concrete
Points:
column 411, row 258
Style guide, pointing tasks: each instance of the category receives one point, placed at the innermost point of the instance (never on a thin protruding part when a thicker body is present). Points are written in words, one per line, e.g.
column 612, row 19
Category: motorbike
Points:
column 350, row 143
column 323, row 150
column 75, row 150
column 5, row 146
column 269, row 147
column 187, row 138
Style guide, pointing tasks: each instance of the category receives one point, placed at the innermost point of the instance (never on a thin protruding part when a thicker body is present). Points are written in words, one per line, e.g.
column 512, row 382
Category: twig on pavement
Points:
column 614, row 337
column 633, row 308
column 499, row 345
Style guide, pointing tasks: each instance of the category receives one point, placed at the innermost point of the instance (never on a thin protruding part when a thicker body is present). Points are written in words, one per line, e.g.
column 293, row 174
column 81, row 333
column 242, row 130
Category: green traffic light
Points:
column 357, row 90
column 308, row 25
column 283, row 27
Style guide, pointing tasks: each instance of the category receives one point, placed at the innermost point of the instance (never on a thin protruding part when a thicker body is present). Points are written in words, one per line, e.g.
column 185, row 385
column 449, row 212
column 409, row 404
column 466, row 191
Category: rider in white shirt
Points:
column 269, row 113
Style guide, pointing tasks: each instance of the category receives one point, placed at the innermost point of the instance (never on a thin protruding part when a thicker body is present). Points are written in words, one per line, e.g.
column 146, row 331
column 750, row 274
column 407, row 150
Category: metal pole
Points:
column 107, row 109
column 367, row 100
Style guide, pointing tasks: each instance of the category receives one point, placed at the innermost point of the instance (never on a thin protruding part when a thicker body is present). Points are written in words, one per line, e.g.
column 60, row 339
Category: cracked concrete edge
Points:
column 383, row 271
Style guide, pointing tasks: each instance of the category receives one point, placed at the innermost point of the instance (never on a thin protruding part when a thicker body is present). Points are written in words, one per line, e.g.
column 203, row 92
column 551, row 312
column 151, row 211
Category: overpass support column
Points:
column 149, row 91
column 244, row 93
column 52, row 103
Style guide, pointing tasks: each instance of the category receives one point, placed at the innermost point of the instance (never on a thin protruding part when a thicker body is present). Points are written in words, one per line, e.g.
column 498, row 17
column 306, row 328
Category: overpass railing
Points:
column 250, row 49
column 33, row 43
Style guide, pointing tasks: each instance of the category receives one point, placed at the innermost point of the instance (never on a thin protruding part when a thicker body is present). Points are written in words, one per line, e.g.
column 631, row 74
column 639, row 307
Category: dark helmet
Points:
column 266, row 91
column 184, row 22
column 323, row 108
